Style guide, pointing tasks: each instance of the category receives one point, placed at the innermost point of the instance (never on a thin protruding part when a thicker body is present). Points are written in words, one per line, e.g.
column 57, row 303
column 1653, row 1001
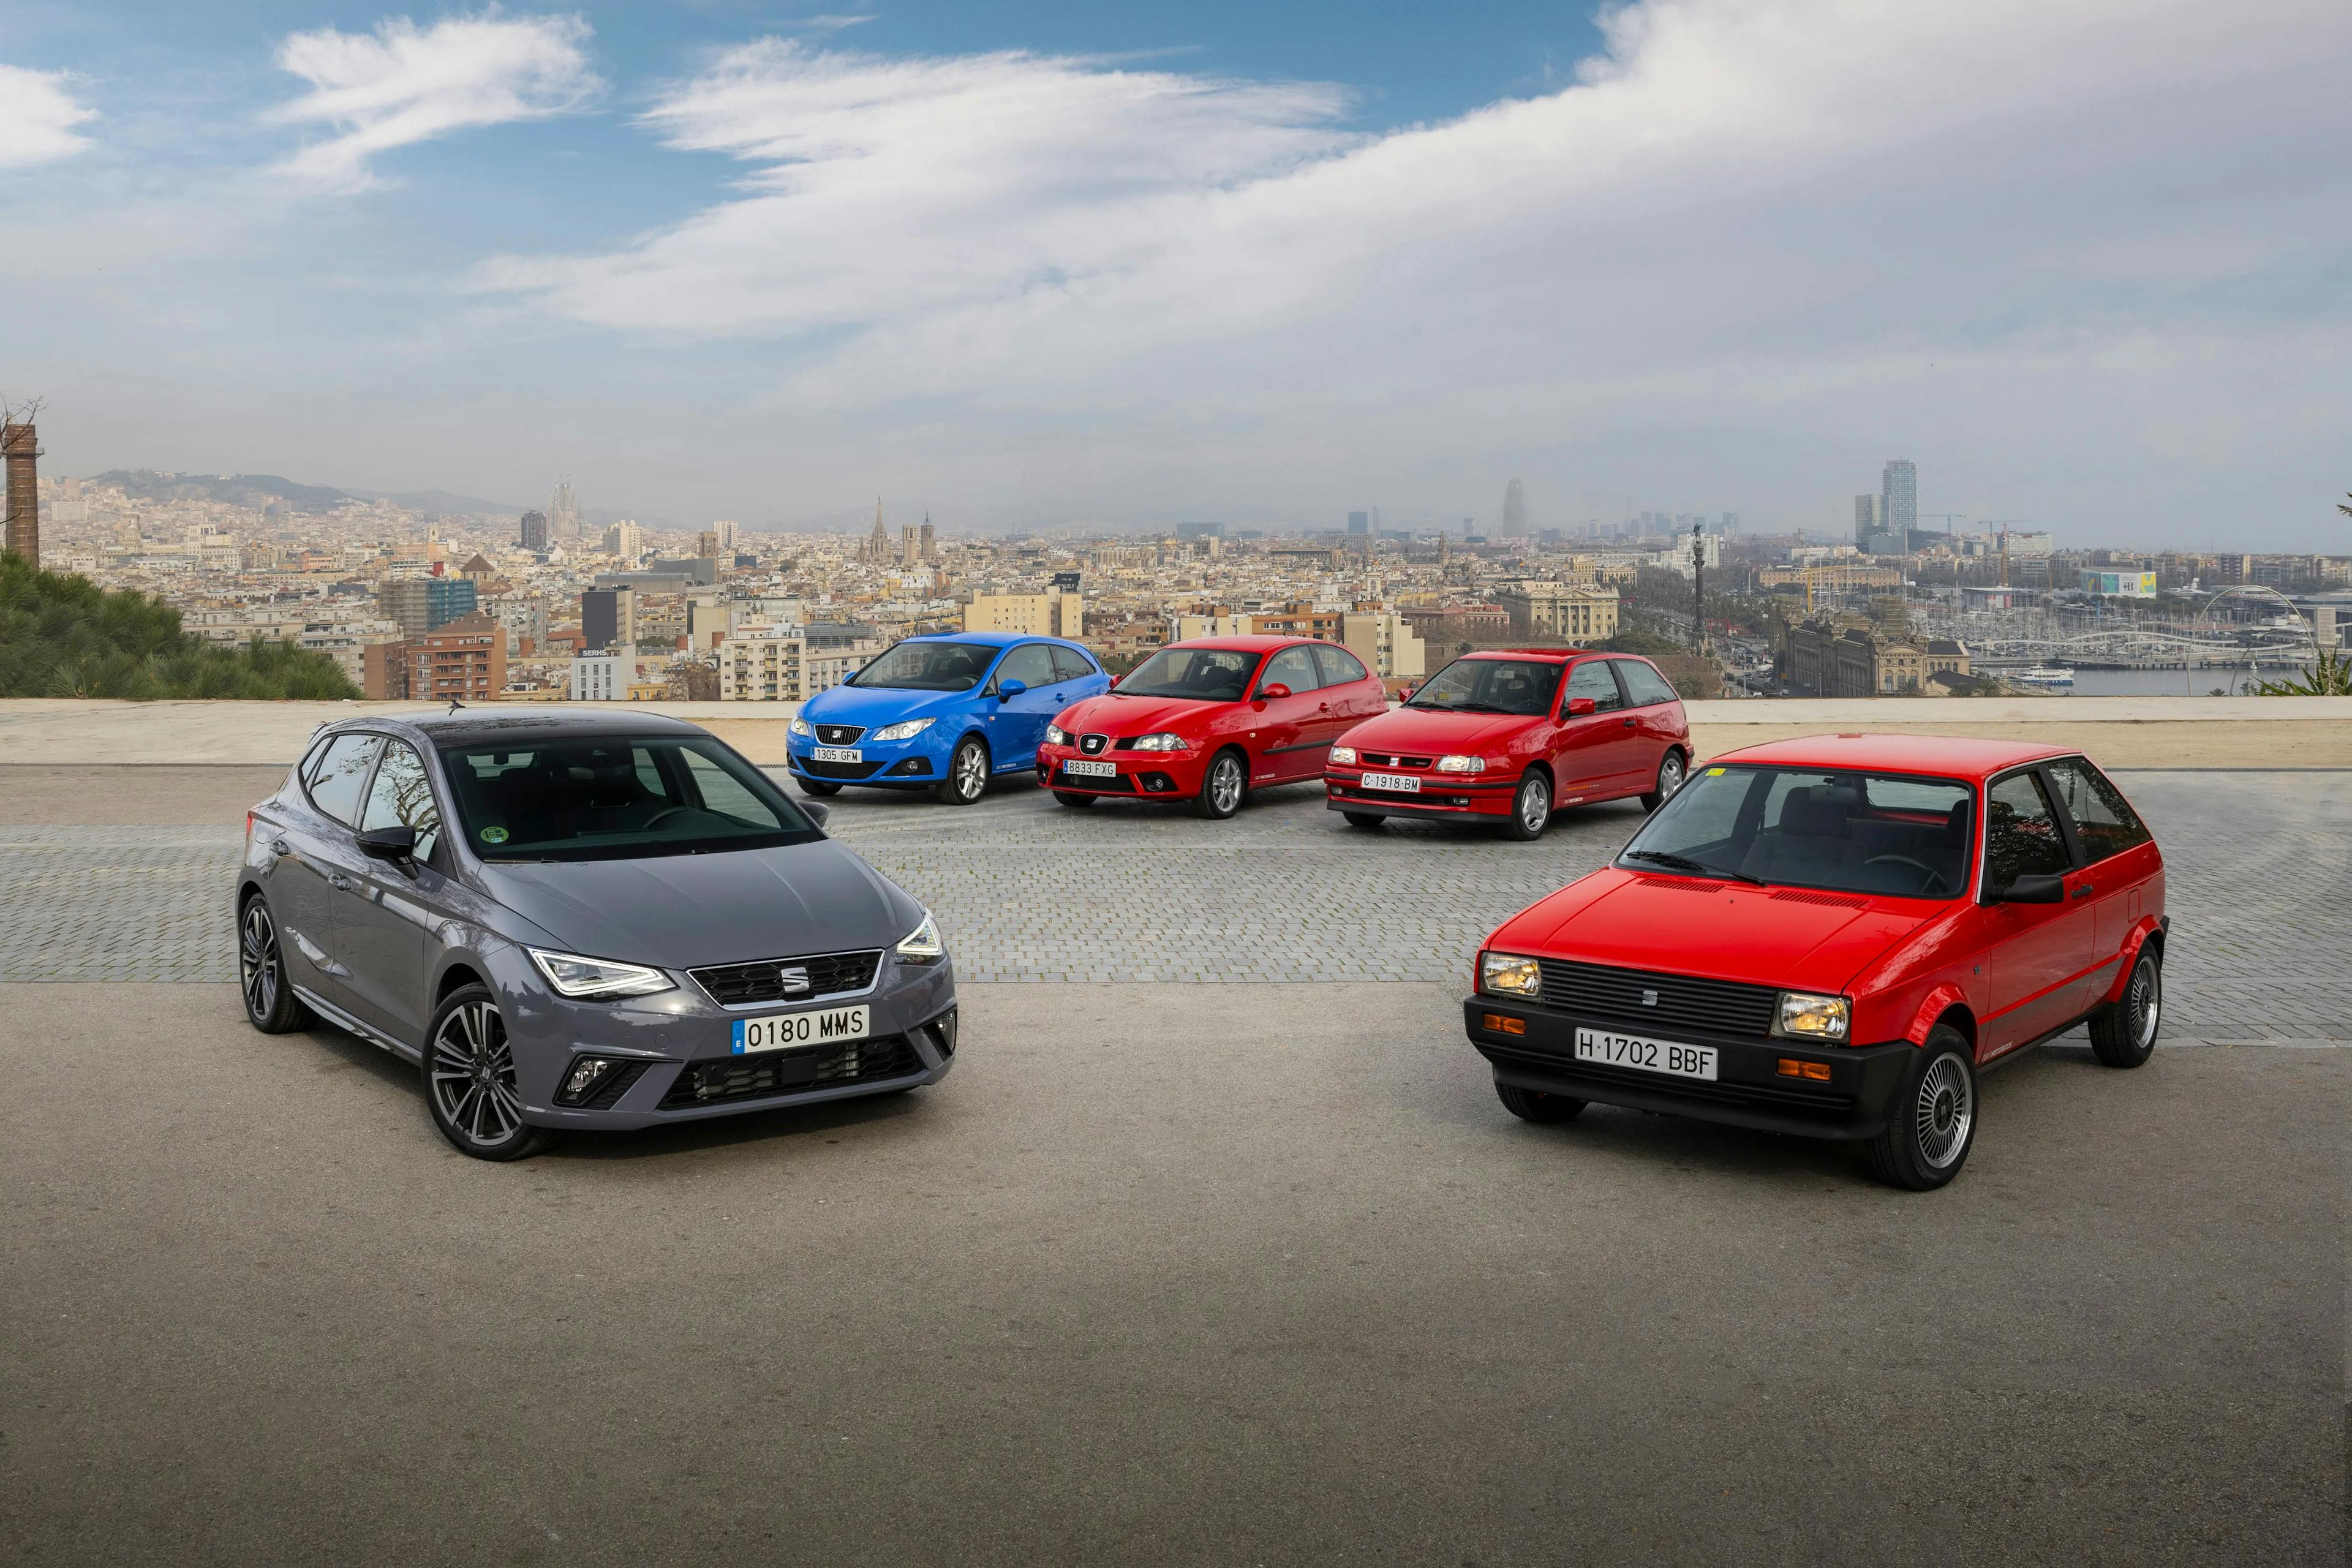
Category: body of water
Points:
column 2154, row 682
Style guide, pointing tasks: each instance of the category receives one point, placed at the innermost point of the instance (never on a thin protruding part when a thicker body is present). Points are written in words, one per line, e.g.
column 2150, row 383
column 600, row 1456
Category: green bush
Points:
column 63, row 635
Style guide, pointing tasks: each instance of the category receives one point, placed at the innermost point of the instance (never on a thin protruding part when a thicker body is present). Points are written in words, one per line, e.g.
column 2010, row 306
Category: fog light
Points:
column 943, row 1031
column 581, row 1082
column 1159, row 784
column 1502, row 1025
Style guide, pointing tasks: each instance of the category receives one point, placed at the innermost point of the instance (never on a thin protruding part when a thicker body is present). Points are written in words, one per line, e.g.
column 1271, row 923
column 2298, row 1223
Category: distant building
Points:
column 706, row 544
column 1515, row 510
column 1190, row 531
column 1830, row 660
column 1899, row 489
column 419, row 604
column 910, row 546
column 1031, row 614
column 531, row 531
column 608, row 619
column 625, row 540
column 2120, row 584
column 930, row 540
column 877, row 544
column 603, row 676
column 1299, row 619
column 565, row 520
column 464, row 659
column 762, row 663
column 1360, row 522
column 1387, row 644
column 1869, row 519
column 1576, row 612
column 22, row 531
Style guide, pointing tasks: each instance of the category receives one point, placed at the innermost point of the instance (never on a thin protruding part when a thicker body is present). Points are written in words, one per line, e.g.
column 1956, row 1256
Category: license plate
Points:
column 1668, row 1056
column 1405, row 781
column 839, row 755
column 787, row 1029
column 1083, row 768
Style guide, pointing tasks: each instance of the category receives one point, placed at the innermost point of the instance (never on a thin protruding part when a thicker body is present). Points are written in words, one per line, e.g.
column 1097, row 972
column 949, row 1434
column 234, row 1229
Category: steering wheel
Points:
column 1930, row 872
column 658, row 817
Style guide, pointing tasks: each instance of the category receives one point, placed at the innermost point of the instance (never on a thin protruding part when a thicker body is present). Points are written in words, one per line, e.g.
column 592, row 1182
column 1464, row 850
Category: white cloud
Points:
column 37, row 117
column 404, row 84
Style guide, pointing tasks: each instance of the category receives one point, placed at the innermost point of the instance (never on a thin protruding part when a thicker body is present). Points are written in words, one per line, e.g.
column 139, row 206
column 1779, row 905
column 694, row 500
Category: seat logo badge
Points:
column 794, row 979
column 1649, row 998
column 1093, row 743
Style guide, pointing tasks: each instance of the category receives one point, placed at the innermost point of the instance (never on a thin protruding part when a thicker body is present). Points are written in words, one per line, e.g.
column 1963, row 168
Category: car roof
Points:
column 1251, row 644
column 525, row 722
column 989, row 639
column 1950, row 756
column 1555, row 655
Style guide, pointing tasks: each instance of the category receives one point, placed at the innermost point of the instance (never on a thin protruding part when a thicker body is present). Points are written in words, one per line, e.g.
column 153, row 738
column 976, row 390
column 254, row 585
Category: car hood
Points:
column 1793, row 937
column 1425, row 729
column 1116, row 716
column 686, row 910
column 876, row 705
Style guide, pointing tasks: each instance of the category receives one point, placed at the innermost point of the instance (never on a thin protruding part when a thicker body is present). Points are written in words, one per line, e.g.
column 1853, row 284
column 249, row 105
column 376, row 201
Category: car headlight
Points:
column 1506, row 974
column 1458, row 763
column 1343, row 753
column 904, row 728
column 923, row 945
column 802, row 727
column 1161, row 742
column 1802, row 1015
column 1056, row 736
column 572, row 976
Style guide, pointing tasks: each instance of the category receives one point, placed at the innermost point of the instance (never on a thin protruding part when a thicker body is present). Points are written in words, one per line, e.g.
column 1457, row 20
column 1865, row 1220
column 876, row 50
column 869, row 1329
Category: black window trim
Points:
column 2037, row 770
column 426, row 756
column 2082, row 861
column 1625, row 703
column 1265, row 667
column 366, row 785
column 990, row 687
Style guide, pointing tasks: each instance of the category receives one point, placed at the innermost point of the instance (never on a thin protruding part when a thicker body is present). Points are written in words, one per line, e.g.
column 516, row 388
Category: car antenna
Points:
column 455, row 705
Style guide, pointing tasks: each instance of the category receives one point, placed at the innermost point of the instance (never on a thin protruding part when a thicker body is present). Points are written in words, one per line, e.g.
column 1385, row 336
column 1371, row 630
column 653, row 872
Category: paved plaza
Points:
column 2260, row 884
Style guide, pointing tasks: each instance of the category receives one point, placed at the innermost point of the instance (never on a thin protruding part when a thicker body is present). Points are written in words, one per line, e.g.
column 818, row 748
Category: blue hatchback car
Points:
column 940, row 713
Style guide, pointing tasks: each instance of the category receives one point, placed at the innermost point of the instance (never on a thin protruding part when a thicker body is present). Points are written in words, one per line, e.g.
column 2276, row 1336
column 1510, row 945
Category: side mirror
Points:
column 1269, row 692
column 388, row 843
column 2031, row 891
column 818, row 811
column 1582, row 707
column 1009, row 688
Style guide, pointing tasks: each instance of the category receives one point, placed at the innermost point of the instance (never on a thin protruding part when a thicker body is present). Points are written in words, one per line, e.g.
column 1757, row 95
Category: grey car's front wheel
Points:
column 270, row 1005
column 470, row 1080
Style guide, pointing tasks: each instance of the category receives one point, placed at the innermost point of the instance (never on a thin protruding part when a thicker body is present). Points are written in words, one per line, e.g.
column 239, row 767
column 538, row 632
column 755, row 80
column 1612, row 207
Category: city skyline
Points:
column 715, row 267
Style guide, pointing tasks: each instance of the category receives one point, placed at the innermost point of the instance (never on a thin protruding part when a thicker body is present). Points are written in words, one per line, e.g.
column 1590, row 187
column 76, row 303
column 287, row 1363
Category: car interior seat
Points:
column 1814, row 835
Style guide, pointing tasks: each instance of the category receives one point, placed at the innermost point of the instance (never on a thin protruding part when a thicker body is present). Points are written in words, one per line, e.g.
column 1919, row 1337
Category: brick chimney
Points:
column 24, row 515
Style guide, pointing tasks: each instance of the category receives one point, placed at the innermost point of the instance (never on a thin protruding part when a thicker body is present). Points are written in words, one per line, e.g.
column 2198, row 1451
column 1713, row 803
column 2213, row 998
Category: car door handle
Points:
column 1628, row 723
column 340, row 882
column 2084, row 891
column 1322, row 708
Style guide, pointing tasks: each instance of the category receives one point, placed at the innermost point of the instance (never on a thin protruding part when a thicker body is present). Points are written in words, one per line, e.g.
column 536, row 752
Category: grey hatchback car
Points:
column 582, row 919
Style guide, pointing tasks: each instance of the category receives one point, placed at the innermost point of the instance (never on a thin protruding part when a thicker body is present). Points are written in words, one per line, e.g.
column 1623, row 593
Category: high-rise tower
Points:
column 1899, row 489
column 563, row 517
column 878, row 547
column 534, row 531
column 1515, row 510
column 930, row 540
column 23, row 532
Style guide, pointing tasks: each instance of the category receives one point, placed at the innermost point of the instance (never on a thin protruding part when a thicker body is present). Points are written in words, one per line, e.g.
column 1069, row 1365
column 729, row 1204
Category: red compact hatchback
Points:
column 1502, row 738
column 1207, row 721
column 1834, row 937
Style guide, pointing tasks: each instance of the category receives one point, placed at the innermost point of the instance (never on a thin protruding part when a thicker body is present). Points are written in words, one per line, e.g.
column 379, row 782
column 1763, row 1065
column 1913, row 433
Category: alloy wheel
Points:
column 261, row 972
column 1225, row 785
column 2145, row 1000
column 1946, row 1107
column 971, row 771
column 1535, row 806
column 473, row 1078
column 1670, row 776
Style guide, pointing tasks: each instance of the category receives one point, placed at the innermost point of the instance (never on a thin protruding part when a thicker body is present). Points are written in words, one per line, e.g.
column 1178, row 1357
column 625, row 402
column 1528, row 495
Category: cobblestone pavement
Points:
column 2261, row 893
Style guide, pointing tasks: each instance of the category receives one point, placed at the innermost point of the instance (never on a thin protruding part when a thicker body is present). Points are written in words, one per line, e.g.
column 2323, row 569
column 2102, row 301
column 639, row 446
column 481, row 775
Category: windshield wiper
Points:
column 1460, row 706
column 1685, row 863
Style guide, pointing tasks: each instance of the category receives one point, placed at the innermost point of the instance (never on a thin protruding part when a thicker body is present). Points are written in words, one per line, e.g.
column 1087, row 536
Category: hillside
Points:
column 259, row 491
column 64, row 637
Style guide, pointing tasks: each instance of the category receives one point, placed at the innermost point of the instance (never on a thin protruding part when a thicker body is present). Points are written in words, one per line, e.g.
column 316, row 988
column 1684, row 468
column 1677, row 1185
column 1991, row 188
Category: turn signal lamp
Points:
column 1502, row 1025
column 1789, row 1067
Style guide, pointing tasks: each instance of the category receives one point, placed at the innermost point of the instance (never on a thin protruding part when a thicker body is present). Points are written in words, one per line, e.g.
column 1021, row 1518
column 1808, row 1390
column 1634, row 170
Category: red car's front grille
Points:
column 1392, row 759
column 1641, row 1000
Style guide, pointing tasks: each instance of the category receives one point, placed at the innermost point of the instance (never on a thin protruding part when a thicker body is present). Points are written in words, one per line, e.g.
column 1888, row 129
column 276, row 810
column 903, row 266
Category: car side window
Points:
column 1592, row 678
column 402, row 796
column 2021, row 833
column 1643, row 684
column 2103, row 820
column 1294, row 667
column 342, row 774
column 1069, row 664
column 1339, row 667
column 1032, row 664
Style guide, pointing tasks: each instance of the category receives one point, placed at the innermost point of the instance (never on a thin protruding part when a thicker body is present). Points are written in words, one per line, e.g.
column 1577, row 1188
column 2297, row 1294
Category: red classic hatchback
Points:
column 1502, row 738
column 1833, row 937
column 1206, row 720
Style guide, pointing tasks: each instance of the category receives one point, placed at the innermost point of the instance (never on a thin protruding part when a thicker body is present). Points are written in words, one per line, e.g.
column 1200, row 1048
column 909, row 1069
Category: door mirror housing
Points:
column 1011, row 689
column 388, row 843
column 1272, row 690
column 1582, row 707
column 2031, row 891
column 817, row 811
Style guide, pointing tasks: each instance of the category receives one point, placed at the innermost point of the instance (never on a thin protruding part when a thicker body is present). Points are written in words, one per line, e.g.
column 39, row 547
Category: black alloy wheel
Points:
column 2124, row 1035
column 1222, row 784
column 1537, row 1105
column 270, row 1005
column 470, row 1080
column 818, row 787
column 967, row 778
column 1671, row 770
column 1530, row 808
column 1932, row 1124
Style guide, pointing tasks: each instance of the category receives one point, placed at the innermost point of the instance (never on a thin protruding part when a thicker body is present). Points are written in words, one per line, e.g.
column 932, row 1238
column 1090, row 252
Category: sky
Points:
column 1036, row 264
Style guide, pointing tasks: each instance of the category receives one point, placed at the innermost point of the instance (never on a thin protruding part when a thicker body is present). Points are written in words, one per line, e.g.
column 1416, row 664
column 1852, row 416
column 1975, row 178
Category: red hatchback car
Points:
column 1503, row 738
column 1206, row 720
column 1833, row 937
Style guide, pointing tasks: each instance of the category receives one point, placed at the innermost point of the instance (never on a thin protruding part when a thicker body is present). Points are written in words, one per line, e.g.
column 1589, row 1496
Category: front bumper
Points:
column 1443, row 797
column 913, row 763
column 1748, row 1090
column 678, row 1041
column 1142, row 775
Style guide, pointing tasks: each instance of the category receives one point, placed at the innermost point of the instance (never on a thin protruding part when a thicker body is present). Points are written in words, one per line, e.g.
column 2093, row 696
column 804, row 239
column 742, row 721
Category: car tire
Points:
column 270, row 1005
column 967, row 777
column 1672, row 770
column 469, row 1081
column 1530, row 808
column 1932, row 1124
column 1536, row 1105
column 818, row 787
column 1072, row 799
column 1364, row 819
column 1224, row 783
column 2124, row 1035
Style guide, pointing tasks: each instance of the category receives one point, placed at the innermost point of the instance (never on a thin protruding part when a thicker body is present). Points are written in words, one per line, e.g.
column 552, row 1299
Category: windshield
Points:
column 1491, row 685
column 929, row 666
column 617, row 797
column 1204, row 674
column 1853, row 832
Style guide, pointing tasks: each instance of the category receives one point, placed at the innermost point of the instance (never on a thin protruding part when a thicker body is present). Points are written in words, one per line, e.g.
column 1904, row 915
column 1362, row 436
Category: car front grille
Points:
column 1642, row 1000
column 839, row 734
column 721, row 1080
column 1392, row 759
column 818, row 770
column 763, row 979
column 1092, row 745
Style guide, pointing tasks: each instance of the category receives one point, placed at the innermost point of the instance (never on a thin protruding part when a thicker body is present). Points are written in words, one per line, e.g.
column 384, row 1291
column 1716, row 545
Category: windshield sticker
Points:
column 1715, row 773
column 494, row 836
